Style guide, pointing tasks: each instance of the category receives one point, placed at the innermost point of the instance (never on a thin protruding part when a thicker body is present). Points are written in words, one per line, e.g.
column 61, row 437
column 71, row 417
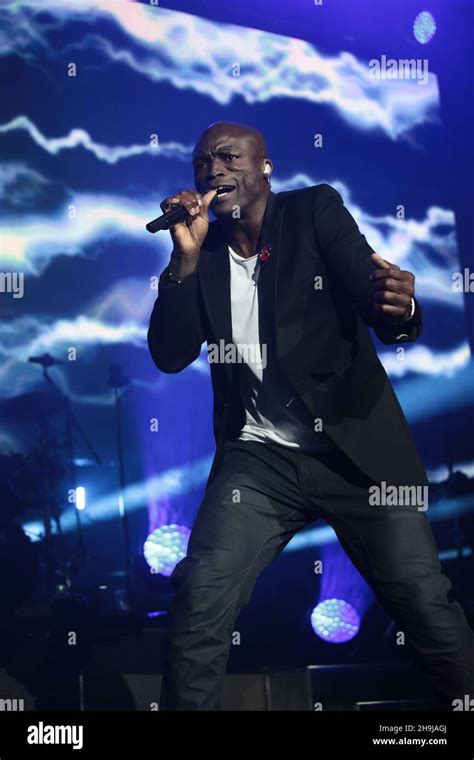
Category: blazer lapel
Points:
column 214, row 273
column 214, row 278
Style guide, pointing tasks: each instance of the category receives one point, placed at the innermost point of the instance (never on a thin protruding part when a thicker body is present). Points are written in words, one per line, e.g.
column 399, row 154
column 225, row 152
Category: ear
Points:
column 267, row 168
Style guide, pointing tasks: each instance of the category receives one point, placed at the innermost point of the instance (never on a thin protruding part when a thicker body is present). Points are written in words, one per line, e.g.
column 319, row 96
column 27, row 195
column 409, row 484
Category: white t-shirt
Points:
column 273, row 409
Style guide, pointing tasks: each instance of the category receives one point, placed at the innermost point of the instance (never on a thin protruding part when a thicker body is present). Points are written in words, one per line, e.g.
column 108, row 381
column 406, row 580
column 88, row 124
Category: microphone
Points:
column 164, row 222
column 46, row 360
column 178, row 213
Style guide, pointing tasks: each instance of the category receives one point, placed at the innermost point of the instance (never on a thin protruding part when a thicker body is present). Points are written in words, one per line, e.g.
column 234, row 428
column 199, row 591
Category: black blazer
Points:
column 321, row 334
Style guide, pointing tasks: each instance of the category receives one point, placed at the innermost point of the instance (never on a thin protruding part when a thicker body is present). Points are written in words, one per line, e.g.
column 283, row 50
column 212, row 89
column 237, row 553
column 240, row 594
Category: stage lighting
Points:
column 165, row 547
column 424, row 27
column 335, row 620
column 80, row 497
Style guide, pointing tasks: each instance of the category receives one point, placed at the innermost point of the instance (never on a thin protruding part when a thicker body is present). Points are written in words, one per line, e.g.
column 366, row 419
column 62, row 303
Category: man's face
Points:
column 229, row 157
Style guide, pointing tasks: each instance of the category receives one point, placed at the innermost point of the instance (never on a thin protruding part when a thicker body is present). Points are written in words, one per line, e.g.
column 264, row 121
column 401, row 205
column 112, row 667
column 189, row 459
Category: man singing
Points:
column 305, row 418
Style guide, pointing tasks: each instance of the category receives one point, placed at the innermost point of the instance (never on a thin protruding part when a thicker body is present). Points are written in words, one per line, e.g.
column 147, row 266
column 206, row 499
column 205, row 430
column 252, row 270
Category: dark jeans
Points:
column 260, row 497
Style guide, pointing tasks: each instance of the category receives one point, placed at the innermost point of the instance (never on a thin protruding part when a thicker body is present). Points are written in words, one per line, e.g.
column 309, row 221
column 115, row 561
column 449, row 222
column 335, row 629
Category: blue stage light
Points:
column 80, row 497
column 165, row 547
column 424, row 27
column 335, row 620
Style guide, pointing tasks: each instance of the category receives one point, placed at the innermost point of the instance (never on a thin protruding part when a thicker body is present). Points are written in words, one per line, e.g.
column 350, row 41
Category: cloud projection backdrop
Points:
column 101, row 105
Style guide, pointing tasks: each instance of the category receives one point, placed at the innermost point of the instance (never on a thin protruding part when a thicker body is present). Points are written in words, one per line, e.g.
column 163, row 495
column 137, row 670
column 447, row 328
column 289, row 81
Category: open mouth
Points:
column 224, row 190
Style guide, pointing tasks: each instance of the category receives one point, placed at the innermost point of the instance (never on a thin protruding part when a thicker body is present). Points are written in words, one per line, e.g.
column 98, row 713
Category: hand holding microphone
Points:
column 188, row 234
column 188, row 227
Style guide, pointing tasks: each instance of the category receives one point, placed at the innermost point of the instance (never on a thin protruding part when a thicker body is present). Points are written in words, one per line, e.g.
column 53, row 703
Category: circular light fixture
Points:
column 165, row 547
column 424, row 27
column 335, row 620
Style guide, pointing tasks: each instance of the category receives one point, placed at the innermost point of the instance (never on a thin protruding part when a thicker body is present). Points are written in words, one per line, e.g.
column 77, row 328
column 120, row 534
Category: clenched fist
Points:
column 392, row 289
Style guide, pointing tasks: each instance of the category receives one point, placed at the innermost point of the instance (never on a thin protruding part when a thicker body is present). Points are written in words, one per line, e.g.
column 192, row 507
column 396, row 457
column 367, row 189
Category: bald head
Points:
column 235, row 155
column 238, row 130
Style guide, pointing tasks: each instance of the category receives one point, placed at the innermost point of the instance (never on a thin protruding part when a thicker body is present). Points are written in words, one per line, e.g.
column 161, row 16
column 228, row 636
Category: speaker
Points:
column 249, row 692
column 367, row 686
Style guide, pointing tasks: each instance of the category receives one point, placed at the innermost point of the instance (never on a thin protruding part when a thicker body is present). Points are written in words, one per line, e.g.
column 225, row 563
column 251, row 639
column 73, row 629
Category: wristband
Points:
column 173, row 277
